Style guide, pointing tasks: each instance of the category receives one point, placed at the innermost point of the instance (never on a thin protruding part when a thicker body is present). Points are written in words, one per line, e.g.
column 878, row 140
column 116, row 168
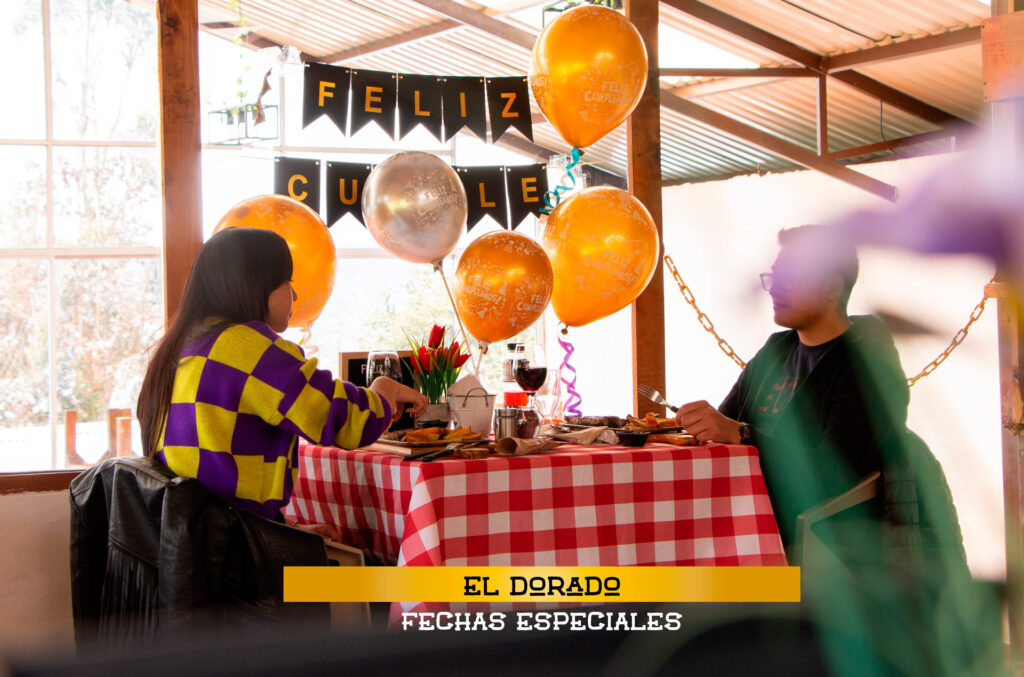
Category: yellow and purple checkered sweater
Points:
column 241, row 397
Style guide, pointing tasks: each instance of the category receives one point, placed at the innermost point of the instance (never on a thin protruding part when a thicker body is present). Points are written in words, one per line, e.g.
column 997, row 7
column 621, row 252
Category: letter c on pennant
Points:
column 291, row 187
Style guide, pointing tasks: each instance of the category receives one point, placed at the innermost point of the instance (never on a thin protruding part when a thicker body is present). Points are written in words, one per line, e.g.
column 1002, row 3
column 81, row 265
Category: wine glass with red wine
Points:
column 532, row 370
column 530, row 373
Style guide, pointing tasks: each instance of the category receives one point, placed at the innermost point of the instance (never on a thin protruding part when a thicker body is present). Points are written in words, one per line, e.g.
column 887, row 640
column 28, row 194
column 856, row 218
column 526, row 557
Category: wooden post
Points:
column 71, row 457
column 124, row 435
column 113, row 415
column 180, row 145
column 643, row 139
column 1011, row 357
column 1002, row 44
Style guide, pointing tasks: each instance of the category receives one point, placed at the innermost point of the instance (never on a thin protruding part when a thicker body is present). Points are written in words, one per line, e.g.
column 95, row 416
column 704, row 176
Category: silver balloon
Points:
column 415, row 207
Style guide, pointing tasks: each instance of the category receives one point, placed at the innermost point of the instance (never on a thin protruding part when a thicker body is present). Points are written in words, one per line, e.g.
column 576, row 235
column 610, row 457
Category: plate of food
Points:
column 581, row 422
column 651, row 421
column 419, row 438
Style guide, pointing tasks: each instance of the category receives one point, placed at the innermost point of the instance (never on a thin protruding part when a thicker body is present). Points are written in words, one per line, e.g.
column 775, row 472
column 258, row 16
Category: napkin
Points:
column 516, row 446
column 464, row 386
column 595, row 435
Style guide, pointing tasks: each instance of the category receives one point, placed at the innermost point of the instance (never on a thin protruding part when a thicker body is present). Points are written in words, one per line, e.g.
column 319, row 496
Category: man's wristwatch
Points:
column 746, row 433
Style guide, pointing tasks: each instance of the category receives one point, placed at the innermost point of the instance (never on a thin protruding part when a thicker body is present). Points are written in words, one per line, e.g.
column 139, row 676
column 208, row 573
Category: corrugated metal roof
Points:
column 949, row 80
column 828, row 27
column 463, row 51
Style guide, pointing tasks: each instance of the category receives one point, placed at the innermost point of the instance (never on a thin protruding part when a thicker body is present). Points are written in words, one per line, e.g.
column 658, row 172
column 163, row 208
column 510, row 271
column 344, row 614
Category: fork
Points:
column 654, row 396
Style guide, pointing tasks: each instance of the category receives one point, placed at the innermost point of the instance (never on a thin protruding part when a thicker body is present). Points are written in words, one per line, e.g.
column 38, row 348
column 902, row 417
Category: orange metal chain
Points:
column 705, row 321
column 731, row 354
column 957, row 340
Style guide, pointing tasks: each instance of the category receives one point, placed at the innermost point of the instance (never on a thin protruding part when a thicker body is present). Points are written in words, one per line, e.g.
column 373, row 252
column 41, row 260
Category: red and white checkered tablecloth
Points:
column 575, row 506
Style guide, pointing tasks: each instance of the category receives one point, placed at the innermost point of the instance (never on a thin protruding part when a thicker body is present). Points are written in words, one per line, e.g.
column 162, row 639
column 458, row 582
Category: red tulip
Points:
column 415, row 365
column 461, row 360
column 424, row 358
column 453, row 350
column 436, row 336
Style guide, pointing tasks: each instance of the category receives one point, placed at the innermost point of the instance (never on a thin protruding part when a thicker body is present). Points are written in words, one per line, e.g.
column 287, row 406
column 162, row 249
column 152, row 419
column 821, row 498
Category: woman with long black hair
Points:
column 225, row 398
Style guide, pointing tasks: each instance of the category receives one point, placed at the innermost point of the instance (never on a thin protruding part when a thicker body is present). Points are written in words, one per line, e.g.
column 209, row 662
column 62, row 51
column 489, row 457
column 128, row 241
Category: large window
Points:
column 79, row 223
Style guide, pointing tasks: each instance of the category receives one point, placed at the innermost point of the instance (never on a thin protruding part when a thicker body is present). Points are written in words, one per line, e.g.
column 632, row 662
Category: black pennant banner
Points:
column 485, row 192
column 464, row 106
column 442, row 104
column 325, row 91
column 374, row 95
column 298, row 178
column 345, row 181
column 526, row 187
column 419, row 103
column 506, row 194
column 509, row 102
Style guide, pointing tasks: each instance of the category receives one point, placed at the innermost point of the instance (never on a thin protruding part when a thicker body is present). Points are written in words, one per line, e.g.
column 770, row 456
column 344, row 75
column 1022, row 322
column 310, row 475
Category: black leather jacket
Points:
column 152, row 552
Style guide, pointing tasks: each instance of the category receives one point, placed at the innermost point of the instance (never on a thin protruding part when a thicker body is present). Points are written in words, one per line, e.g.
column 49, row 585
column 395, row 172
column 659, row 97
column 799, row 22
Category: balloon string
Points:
column 479, row 358
column 553, row 197
column 465, row 341
column 571, row 406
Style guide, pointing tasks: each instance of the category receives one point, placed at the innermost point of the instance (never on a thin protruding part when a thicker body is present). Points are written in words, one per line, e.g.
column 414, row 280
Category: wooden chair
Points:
column 808, row 548
column 347, row 615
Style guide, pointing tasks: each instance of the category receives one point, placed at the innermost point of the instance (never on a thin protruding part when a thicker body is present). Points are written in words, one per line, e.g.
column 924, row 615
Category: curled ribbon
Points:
column 308, row 350
column 553, row 197
column 572, row 403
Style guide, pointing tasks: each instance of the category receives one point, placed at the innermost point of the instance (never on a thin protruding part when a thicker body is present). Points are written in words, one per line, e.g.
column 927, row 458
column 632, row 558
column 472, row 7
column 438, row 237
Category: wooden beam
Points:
column 901, row 50
column 219, row 25
column 257, row 41
column 778, row 146
column 180, row 143
column 893, row 144
column 772, row 72
column 749, row 32
column 391, row 41
column 482, row 21
column 898, row 99
column 699, row 89
column 37, row 482
column 524, row 146
column 643, row 147
column 821, row 120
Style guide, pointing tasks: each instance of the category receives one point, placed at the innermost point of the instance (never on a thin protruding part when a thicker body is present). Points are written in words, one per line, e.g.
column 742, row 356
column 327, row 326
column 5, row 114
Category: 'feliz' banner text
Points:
column 441, row 104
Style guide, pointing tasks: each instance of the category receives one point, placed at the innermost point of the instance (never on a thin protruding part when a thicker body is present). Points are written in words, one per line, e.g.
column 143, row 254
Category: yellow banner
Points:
column 542, row 584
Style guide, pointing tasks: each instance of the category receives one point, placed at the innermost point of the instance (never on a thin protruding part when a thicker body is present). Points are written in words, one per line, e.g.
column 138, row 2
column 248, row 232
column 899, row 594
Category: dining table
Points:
column 576, row 505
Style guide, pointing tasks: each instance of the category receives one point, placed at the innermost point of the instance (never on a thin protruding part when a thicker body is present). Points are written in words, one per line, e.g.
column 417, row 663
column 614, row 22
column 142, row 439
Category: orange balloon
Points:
column 589, row 70
column 604, row 247
column 502, row 285
column 310, row 242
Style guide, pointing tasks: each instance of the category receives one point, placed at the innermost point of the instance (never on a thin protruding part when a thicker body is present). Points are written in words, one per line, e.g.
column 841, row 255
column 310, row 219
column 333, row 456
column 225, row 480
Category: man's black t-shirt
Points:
column 820, row 415
column 797, row 365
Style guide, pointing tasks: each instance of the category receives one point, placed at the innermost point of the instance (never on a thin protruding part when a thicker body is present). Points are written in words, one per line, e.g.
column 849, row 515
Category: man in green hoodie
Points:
column 823, row 401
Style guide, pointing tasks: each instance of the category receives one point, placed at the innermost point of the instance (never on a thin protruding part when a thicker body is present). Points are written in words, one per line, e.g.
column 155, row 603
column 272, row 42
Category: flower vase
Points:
column 436, row 416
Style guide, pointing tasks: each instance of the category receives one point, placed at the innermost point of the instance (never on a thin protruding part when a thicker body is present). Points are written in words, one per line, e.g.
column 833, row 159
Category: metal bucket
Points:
column 473, row 411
